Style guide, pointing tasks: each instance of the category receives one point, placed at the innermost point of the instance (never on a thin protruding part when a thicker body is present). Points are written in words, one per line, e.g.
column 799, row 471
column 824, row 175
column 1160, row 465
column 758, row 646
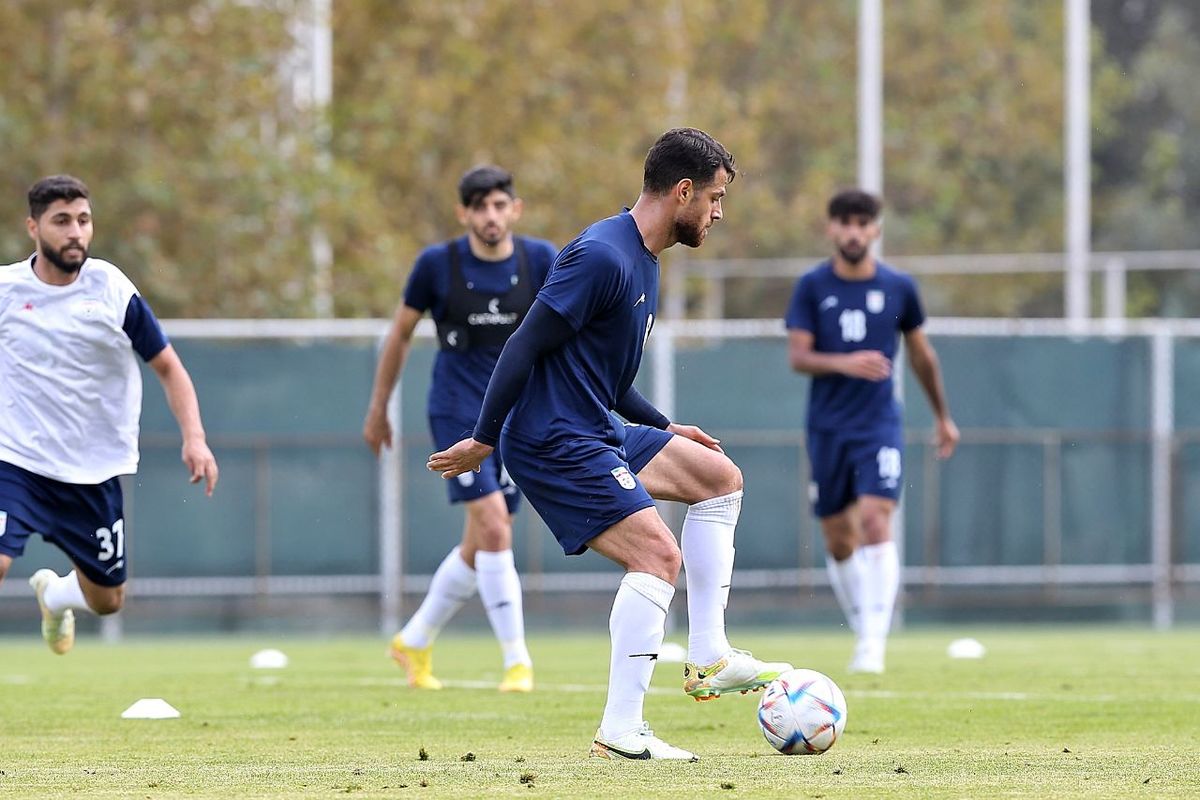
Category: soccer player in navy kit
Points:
column 843, row 323
column 477, row 288
column 71, row 330
column 594, row 479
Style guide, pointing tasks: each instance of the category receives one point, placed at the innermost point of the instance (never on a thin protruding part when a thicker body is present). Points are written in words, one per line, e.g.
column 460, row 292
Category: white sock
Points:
column 500, row 591
column 453, row 584
column 639, row 614
column 707, row 544
column 881, row 583
column 64, row 592
column 847, row 580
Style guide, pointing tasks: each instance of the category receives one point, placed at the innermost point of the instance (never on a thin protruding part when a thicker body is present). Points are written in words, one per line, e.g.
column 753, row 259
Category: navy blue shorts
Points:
column 583, row 487
column 85, row 521
column 849, row 464
column 492, row 477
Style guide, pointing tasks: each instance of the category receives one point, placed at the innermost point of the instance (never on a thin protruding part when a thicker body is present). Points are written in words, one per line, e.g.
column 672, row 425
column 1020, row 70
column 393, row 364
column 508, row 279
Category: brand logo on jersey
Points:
column 493, row 316
column 27, row 307
column 3, row 522
column 624, row 478
column 640, row 300
column 828, row 303
column 874, row 301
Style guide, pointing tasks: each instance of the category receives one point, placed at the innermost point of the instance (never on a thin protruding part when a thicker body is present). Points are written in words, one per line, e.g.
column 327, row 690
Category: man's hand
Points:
column 696, row 435
column 945, row 436
column 870, row 365
column 201, row 464
column 377, row 431
column 465, row 456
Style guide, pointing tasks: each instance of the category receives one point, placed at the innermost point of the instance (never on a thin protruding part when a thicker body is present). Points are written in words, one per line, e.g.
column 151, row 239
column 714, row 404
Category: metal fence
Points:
column 1074, row 470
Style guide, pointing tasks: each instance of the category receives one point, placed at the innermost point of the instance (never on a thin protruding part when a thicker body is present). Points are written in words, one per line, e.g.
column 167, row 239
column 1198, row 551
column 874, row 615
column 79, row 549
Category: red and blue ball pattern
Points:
column 802, row 712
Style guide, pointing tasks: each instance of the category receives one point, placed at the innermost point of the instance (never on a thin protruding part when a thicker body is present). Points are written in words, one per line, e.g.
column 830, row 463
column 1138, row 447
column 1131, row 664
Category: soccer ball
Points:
column 802, row 712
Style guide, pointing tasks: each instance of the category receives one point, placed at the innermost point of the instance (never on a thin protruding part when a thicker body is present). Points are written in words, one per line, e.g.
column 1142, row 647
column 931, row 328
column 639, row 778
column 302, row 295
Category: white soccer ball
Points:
column 802, row 712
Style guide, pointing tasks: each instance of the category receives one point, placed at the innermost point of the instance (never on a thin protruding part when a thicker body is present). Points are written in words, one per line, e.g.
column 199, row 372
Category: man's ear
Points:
column 31, row 227
column 461, row 212
column 684, row 190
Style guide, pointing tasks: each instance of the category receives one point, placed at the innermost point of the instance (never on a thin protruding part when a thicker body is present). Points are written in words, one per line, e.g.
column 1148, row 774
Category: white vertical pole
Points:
column 1162, row 429
column 312, row 90
column 391, row 499
column 870, row 95
column 1077, row 172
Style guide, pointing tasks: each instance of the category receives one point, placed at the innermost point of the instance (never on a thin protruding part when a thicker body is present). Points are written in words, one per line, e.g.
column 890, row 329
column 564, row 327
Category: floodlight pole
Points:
column 1077, row 172
column 870, row 95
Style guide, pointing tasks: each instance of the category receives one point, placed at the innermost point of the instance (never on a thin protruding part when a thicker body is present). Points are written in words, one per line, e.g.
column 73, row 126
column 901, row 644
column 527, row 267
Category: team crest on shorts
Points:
column 466, row 479
column 875, row 299
column 624, row 478
column 3, row 522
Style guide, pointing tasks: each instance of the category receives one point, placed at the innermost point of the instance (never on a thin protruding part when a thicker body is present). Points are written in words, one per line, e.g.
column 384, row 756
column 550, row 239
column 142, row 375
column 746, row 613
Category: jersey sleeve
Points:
column 800, row 310
column 585, row 281
column 421, row 290
column 913, row 315
column 143, row 329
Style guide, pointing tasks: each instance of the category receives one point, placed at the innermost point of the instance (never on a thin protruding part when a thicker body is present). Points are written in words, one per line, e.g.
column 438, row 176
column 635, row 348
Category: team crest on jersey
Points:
column 3, row 522
column 624, row 478
column 874, row 301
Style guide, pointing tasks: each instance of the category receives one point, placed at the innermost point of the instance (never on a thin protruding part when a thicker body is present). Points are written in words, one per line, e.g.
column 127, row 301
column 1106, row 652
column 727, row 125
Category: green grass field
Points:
column 1049, row 712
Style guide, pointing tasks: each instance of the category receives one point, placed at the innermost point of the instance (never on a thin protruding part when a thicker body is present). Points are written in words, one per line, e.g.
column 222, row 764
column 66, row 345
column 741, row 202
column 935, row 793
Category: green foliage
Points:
column 210, row 180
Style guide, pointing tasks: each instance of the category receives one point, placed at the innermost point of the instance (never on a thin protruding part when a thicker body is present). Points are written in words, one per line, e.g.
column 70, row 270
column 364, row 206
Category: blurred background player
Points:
column 843, row 324
column 69, row 328
column 592, row 479
column 477, row 288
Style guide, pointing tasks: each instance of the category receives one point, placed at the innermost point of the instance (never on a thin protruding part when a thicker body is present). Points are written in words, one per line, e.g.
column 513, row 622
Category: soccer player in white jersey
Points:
column 70, row 327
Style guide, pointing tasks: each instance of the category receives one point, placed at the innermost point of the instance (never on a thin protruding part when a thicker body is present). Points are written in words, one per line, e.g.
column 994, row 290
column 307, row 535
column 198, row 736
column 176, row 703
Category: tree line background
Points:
column 209, row 180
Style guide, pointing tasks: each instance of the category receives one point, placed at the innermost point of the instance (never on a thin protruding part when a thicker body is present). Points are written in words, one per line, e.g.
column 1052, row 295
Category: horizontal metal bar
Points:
column 556, row 582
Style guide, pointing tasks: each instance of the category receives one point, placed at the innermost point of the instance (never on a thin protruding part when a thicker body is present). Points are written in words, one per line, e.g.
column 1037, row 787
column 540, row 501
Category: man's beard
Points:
column 854, row 256
column 59, row 258
column 491, row 236
column 689, row 233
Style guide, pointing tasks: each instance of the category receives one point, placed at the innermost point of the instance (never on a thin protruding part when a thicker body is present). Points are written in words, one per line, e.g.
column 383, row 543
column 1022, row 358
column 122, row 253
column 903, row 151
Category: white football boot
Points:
column 736, row 671
column 57, row 629
column 639, row 744
column 868, row 657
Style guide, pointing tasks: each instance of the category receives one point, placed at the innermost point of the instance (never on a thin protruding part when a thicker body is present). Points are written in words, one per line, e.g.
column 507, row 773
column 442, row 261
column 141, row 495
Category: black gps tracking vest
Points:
column 483, row 319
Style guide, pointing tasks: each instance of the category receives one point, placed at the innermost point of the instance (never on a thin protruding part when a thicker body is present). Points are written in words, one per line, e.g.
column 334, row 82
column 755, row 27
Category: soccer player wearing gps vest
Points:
column 71, row 329
column 843, row 324
column 592, row 478
column 477, row 288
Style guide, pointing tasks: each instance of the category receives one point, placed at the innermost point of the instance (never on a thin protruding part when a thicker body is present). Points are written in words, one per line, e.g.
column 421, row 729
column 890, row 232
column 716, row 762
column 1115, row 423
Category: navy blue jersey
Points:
column 844, row 316
column 605, row 284
column 461, row 377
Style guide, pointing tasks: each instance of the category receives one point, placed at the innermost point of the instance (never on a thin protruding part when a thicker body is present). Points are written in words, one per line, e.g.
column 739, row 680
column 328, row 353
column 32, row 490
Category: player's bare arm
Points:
column 870, row 365
column 465, row 456
column 377, row 431
column 181, row 397
column 926, row 367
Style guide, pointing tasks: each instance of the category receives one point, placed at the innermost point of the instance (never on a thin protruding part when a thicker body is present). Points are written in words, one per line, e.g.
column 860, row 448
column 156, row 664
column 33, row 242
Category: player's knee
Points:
column 660, row 557
column 494, row 537
column 724, row 478
column 109, row 601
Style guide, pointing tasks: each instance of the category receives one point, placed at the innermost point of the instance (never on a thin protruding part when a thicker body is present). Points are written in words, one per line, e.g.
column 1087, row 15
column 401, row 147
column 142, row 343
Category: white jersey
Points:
column 70, row 384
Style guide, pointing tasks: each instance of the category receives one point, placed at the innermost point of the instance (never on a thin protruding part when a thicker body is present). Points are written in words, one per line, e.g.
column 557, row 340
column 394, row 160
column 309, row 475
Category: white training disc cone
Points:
column 269, row 659
column 965, row 648
column 150, row 708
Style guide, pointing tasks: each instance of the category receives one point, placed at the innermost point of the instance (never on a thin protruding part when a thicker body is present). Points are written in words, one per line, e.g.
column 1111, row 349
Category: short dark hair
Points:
column 854, row 203
column 684, row 153
column 55, row 187
column 478, row 182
